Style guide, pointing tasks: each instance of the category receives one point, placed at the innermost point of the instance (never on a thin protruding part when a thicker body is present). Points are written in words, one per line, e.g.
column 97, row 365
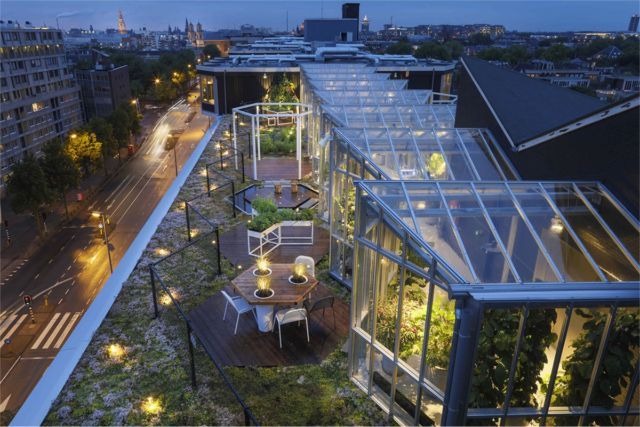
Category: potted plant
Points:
column 437, row 166
column 263, row 289
column 262, row 267
column 298, row 277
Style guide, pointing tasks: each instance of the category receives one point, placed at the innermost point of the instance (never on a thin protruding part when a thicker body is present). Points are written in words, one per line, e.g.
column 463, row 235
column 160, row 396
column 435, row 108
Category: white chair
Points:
column 309, row 263
column 240, row 305
column 291, row 315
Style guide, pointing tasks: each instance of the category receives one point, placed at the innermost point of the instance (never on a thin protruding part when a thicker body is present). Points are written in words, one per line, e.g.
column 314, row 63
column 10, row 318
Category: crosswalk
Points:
column 52, row 336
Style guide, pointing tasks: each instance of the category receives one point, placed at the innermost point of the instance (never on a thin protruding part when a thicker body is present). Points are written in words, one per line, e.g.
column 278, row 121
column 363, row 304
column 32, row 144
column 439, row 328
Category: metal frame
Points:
column 301, row 111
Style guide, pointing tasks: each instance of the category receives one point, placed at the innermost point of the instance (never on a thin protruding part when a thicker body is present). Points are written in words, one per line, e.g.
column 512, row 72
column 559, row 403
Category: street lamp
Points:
column 135, row 102
column 173, row 141
column 103, row 226
column 157, row 80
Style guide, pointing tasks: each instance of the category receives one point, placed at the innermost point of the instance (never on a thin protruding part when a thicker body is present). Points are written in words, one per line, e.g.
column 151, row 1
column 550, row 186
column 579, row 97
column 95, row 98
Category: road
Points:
column 64, row 276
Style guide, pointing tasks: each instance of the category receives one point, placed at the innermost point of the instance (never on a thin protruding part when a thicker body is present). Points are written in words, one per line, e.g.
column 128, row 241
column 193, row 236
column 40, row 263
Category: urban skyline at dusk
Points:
column 514, row 15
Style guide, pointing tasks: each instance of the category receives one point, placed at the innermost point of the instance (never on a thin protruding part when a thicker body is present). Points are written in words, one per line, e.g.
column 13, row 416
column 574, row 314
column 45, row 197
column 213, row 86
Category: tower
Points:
column 122, row 28
column 633, row 23
column 365, row 25
column 186, row 26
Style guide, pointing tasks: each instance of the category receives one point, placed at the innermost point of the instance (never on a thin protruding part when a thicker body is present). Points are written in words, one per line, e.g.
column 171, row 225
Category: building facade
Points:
column 40, row 99
column 103, row 88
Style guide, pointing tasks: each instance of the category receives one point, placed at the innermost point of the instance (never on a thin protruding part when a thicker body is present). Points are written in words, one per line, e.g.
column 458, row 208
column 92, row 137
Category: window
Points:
column 37, row 106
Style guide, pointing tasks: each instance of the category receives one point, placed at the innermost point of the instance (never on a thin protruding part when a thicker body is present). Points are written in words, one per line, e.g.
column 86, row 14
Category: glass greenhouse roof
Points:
column 399, row 115
column 337, row 67
column 374, row 97
column 419, row 154
column 518, row 232
column 319, row 75
column 359, row 84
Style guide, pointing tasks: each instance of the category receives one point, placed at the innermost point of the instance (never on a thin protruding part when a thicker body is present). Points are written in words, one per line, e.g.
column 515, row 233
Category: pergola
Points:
column 261, row 112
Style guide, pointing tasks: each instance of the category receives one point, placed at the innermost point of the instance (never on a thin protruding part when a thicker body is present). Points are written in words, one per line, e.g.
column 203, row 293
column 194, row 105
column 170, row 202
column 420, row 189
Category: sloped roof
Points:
column 525, row 107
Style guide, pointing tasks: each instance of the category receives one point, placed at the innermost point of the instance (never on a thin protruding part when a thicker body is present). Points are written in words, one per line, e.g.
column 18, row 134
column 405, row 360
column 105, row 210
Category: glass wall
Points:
column 566, row 353
column 402, row 320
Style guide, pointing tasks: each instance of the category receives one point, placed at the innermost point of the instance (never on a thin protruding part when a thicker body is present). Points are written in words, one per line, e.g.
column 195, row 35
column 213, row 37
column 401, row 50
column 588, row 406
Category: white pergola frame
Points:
column 258, row 111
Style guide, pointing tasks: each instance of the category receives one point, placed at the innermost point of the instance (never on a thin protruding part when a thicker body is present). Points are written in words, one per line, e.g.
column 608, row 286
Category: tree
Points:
column 557, row 53
column 476, row 39
column 283, row 91
column 433, row 50
column 455, row 48
column 104, row 133
column 85, row 150
column 61, row 172
column 403, row 47
column 492, row 54
column 29, row 189
column 211, row 51
column 515, row 55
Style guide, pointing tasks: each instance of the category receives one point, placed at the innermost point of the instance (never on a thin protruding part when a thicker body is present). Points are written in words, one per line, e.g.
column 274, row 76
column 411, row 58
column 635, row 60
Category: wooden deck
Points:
column 251, row 347
column 276, row 168
column 233, row 246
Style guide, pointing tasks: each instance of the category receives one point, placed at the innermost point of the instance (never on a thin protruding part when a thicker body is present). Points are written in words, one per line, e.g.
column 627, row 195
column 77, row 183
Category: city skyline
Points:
column 514, row 15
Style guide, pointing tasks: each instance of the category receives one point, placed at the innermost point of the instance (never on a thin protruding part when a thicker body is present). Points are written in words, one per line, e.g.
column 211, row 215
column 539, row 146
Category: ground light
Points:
column 115, row 352
column 152, row 405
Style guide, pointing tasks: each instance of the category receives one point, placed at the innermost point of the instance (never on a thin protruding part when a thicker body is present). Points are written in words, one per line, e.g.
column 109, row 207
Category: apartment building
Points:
column 39, row 97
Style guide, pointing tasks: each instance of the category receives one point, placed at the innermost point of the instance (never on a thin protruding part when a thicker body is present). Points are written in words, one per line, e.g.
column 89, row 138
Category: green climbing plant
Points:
column 617, row 363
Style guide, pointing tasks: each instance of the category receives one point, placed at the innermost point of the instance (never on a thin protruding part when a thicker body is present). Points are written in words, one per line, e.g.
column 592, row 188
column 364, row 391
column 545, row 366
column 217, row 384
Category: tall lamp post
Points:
column 103, row 226
column 172, row 141
column 135, row 102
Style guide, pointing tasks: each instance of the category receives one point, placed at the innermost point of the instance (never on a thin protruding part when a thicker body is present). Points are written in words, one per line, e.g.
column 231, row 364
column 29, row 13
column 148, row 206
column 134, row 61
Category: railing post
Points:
column 218, row 250
column 247, row 418
column 220, row 151
column 233, row 195
column 206, row 168
column 153, row 292
column 192, row 361
column 242, row 162
column 186, row 210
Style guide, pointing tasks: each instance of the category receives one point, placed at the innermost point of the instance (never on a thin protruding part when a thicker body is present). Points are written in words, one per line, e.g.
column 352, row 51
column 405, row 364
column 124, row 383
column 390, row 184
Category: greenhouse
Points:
column 392, row 154
column 350, row 85
column 399, row 115
column 374, row 97
column 511, row 303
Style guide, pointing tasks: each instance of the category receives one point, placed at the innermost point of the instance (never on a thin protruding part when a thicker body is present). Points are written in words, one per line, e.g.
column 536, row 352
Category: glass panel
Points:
column 390, row 240
column 529, row 261
column 522, row 421
column 382, row 377
column 496, row 345
column 561, row 246
column 481, row 159
column 602, row 248
column 387, row 302
column 431, row 410
column 536, row 354
column 578, row 357
column 482, row 248
column 363, row 305
column 414, row 313
column 618, row 223
column 404, row 405
column 360, row 360
column 440, row 339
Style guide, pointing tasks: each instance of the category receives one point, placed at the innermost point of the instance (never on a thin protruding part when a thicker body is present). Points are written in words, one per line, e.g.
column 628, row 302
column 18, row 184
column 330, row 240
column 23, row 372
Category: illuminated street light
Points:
column 103, row 226
column 157, row 80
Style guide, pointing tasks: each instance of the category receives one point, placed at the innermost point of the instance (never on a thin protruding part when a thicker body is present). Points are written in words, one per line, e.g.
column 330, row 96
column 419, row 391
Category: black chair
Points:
column 321, row 304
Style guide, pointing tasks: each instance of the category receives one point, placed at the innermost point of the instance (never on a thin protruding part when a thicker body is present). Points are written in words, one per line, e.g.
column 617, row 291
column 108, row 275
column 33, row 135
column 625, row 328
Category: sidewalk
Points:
column 22, row 227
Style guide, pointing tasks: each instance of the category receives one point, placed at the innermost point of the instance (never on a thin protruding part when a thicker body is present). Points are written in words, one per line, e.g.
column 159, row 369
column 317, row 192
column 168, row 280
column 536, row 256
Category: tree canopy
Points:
column 29, row 190
column 61, row 172
column 403, row 47
column 85, row 151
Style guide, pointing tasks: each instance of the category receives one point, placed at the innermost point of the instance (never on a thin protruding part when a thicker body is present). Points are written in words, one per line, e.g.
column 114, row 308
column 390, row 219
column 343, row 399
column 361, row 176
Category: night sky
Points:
column 532, row 15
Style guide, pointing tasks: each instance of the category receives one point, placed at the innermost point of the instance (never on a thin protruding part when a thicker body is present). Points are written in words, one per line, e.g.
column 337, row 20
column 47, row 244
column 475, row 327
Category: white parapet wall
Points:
column 36, row 407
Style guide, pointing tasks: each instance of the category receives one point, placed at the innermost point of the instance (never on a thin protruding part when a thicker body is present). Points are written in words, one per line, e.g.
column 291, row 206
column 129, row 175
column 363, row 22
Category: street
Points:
column 64, row 276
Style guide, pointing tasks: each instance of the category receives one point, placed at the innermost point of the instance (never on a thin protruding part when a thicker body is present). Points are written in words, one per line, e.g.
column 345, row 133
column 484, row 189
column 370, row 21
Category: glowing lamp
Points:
column 556, row 225
column 115, row 352
column 151, row 406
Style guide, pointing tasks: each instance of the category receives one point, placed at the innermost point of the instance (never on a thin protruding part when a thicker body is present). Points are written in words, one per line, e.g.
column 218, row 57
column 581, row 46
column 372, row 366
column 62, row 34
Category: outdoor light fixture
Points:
column 157, row 80
column 194, row 232
column 151, row 406
column 115, row 352
column 298, row 277
column 421, row 205
column 162, row 251
column 262, row 267
column 556, row 225
column 74, row 136
column 263, row 285
column 264, row 75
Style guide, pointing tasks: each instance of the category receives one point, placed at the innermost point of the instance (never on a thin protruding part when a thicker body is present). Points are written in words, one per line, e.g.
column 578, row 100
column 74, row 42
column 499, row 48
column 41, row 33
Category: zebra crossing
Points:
column 51, row 337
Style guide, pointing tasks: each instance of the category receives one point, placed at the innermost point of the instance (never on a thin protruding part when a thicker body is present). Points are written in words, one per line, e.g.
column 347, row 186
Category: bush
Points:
column 262, row 205
column 268, row 218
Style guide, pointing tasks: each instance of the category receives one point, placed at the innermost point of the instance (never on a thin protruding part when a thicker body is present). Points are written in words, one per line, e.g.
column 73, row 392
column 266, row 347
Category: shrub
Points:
column 266, row 219
column 263, row 205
